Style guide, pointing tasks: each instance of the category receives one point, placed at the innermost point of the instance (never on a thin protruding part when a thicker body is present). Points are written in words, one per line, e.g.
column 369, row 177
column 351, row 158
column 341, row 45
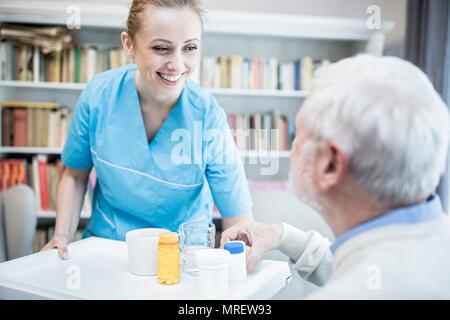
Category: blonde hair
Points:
column 137, row 10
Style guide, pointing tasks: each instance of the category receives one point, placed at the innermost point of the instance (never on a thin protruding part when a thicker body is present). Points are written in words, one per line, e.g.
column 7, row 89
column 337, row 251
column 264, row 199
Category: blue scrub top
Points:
column 139, row 185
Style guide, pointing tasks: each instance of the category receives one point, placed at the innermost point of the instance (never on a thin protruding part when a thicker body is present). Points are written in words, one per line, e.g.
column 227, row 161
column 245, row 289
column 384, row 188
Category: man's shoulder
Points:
column 402, row 267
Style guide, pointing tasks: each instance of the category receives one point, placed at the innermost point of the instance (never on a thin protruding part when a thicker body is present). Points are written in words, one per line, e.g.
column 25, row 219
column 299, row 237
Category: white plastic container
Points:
column 238, row 268
column 142, row 245
column 213, row 273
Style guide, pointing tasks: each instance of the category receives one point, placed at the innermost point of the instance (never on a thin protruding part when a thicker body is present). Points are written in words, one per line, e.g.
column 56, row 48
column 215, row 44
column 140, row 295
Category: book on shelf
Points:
column 268, row 131
column 43, row 182
column 34, row 124
column 257, row 73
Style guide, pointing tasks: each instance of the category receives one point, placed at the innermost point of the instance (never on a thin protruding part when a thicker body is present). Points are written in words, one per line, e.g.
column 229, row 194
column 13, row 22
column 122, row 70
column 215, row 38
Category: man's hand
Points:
column 260, row 237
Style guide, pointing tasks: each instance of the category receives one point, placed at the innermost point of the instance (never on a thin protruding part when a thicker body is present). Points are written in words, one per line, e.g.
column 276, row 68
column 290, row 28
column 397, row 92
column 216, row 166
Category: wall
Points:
column 394, row 10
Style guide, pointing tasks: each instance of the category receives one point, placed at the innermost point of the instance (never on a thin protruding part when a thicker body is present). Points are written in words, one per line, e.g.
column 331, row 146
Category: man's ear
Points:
column 127, row 44
column 331, row 167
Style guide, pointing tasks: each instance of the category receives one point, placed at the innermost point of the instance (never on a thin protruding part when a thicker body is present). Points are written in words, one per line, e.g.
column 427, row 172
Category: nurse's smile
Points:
column 170, row 79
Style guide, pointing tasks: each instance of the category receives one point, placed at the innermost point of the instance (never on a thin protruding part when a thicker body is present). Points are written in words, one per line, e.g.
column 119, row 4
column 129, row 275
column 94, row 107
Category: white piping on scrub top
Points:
column 105, row 216
column 145, row 174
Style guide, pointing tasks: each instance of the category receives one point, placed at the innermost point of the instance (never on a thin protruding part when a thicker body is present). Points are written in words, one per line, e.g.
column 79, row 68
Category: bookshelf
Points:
column 227, row 33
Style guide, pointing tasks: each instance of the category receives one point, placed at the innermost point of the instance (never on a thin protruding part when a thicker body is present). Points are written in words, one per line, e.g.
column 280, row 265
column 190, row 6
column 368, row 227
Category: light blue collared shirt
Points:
column 422, row 212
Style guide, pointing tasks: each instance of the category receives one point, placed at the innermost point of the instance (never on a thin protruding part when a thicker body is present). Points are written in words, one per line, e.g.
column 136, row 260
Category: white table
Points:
column 98, row 269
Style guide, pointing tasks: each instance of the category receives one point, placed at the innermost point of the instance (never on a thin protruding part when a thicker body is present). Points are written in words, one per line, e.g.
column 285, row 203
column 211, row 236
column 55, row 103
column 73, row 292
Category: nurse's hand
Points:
column 260, row 237
column 59, row 243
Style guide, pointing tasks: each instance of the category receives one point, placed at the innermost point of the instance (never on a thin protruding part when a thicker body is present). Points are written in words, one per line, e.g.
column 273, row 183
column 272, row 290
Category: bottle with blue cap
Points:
column 238, row 270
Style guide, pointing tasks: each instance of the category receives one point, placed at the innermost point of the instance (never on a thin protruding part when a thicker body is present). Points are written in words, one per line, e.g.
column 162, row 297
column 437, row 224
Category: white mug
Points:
column 142, row 245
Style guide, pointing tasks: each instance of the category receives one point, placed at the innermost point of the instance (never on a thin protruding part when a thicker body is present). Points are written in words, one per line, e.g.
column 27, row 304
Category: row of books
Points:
column 77, row 64
column 13, row 172
column 43, row 176
column 238, row 72
column 43, row 236
column 28, row 124
column 23, row 49
column 267, row 131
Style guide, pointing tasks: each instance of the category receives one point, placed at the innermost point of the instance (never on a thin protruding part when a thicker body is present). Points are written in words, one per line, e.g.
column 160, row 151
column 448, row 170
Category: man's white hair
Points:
column 386, row 115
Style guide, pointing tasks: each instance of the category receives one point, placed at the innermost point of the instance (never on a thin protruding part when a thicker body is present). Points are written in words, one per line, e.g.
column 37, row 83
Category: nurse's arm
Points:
column 71, row 191
column 242, row 218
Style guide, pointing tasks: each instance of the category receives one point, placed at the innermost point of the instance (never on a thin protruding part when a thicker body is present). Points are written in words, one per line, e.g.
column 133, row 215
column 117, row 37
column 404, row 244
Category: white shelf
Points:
column 46, row 214
column 42, row 85
column 114, row 15
column 215, row 91
column 52, row 214
column 260, row 93
column 30, row 150
column 265, row 154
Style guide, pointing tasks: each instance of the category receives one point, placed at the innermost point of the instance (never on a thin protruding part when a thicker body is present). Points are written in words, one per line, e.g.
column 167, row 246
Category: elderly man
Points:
column 371, row 144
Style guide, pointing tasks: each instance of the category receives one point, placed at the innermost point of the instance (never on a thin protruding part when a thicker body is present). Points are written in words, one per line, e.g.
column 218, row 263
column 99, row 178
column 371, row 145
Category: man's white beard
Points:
column 302, row 180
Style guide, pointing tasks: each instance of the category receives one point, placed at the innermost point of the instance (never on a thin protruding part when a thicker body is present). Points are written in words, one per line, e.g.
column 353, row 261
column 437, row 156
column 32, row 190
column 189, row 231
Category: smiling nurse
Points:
column 126, row 125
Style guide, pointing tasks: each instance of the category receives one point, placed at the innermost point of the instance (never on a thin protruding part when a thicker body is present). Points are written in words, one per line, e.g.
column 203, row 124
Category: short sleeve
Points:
column 224, row 169
column 77, row 153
